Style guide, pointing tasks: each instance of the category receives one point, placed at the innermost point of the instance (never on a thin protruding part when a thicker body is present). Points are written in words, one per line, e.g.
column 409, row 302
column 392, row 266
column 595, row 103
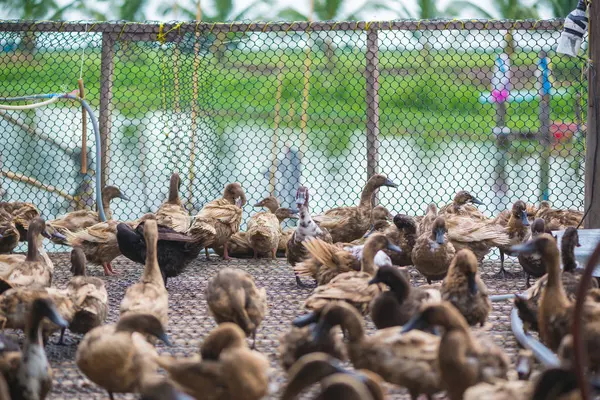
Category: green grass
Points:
column 432, row 93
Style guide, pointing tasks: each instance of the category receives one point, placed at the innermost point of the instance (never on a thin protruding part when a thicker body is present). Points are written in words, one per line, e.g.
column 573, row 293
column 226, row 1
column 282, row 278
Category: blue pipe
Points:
column 87, row 107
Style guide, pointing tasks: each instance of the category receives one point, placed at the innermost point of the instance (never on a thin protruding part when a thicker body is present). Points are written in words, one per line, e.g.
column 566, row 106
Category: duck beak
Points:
column 393, row 247
column 123, row 197
column 294, row 213
column 476, row 201
column 523, row 368
column 389, row 183
column 524, row 248
column 439, row 236
column 239, row 202
column 57, row 319
column 578, row 244
column 524, row 218
column 59, row 236
column 307, row 319
column 1, row 236
column 369, row 232
column 163, row 336
column 416, row 322
column 472, row 284
column 46, row 234
column 256, row 205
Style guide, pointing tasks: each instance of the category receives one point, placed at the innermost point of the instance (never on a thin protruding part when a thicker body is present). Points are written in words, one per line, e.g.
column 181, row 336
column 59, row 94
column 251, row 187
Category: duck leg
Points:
column 108, row 271
column 206, row 253
column 503, row 274
column 274, row 251
column 64, row 342
column 254, row 254
column 527, row 284
column 112, row 271
column 253, row 341
column 110, row 395
column 225, row 252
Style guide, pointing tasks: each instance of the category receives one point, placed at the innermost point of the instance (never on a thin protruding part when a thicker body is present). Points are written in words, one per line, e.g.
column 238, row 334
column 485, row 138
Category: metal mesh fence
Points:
column 437, row 106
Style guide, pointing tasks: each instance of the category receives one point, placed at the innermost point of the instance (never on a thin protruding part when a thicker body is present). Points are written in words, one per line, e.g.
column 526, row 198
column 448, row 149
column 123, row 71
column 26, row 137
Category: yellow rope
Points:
column 289, row 27
column 161, row 35
column 92, row 27
column 122, row 30
column 212, row 27
column 367, row 25
column 265, row 27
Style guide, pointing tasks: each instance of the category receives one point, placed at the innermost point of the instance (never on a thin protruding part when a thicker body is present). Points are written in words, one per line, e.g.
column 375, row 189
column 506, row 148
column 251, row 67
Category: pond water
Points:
column 144, row 152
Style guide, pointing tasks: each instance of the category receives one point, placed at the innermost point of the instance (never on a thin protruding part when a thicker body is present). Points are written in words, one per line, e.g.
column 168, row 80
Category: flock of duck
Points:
column 355, row 255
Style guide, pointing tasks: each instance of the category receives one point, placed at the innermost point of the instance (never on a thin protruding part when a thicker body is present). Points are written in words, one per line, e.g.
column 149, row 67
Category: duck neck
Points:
column 366, row 197
column 554, row 287
column 567, row 255
column 456, row 370
column 106, row 206
column 174, row 191
column 306, row 226
column 33, row 330
column 400, row 287
column 516, row 229
column 152, row 270
column 368, row 260
column 353, row 328
column 33, row 244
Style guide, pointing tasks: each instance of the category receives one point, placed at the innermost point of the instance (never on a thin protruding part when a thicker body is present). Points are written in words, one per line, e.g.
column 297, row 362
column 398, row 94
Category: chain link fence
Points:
column 437, row 106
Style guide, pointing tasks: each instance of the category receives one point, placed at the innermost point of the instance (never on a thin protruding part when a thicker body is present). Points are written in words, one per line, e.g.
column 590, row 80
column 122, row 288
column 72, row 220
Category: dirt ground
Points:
column 189, row 320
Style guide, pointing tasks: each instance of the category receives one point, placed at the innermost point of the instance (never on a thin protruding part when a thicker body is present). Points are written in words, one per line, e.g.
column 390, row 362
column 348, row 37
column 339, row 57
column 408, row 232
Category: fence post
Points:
column 592, row 153
column 372, row 83
column 107, row 69
column 544, row 133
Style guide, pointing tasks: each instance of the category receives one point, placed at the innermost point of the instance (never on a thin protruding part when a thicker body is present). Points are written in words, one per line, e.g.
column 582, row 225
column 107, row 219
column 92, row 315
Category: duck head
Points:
column 442, row 314
column 282, row 213
column 379, row 180
column 519, row 211
column 379, row 241
column 78, row 262
column 570, row 238
column 405, row 223
column 464, row 197
column 269, row 202
column 302, row 197
column 113, row 192
column 538, row 226
column 380, row 213
column 146, row 324
column 438, row 230
column 235, row 194
column 465, row 264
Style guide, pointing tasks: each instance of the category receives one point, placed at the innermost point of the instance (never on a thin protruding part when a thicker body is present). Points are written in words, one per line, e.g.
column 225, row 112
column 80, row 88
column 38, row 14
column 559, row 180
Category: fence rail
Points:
column 321, row 103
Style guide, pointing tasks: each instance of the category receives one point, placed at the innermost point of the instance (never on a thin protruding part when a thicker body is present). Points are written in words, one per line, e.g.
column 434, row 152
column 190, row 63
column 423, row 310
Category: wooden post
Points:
column 544, row 133
column 274, row 146
column 372, row 78
column 592, row 153
column 107, row 69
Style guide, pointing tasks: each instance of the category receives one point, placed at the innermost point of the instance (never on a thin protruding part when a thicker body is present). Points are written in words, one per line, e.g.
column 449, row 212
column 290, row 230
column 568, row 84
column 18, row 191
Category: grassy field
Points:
column 431, row 93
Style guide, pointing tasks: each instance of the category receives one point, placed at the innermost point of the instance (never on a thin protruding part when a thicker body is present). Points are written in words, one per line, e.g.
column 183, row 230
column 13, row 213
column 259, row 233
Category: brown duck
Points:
column 433, row 253
column 396, row 306
column 518, row 231
column 22, row 214
column 232, row 296
column 99, row 243
column 463, row 361
column 220, row 219
column 465, row 290
column 532, row 263
column 462, row 204
column 346, row 224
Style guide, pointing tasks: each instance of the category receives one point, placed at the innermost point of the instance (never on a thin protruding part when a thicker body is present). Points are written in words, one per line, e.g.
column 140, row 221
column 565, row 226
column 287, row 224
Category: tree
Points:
column 561, row 8
column 222, row 11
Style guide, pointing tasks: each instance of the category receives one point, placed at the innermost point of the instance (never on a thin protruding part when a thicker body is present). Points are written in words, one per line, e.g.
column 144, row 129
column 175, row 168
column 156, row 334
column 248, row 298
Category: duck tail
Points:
column 322, row 251
column 307, row 268
column 202, row 231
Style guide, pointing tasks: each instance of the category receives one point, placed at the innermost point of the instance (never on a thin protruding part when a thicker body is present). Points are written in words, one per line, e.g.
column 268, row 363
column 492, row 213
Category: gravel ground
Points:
column 189, row 320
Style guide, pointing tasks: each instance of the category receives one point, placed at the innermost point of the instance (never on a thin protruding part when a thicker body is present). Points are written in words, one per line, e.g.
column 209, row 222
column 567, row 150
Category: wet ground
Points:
column 189, row 320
